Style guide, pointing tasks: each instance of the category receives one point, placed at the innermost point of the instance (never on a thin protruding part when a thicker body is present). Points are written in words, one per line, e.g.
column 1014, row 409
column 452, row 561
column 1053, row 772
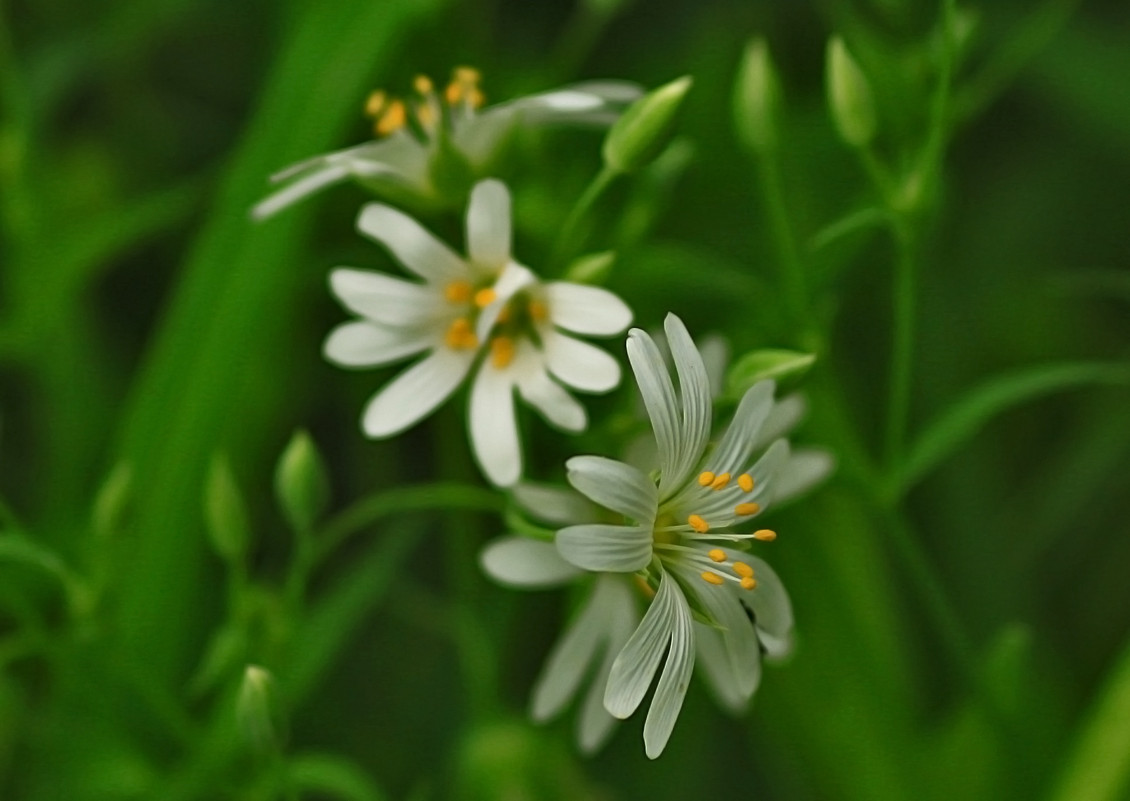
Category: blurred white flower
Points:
column 438, row 132
column 485, row 313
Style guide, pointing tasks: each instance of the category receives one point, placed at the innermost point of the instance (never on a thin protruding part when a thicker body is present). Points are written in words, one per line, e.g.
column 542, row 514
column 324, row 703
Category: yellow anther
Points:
column 538, row 311
column 423, row 85
column 457, row 291
column 746, row 509
column 765, row 535
column 749, row 583
column 426, row 115
column 468, row 76
column 743, row 570
column 485, row 297
column 460, row 334
column 501, row 351
column 717, row 554
column 393, row 118
column 375, row 103
column 503, row 314
column 713, row 578
column 705, row 478
column 745, row 481
column 645, row 588
column 698, row 524
column 720, row 481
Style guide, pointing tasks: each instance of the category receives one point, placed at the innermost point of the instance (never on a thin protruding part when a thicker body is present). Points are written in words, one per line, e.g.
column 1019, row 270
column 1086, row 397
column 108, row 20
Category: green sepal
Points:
column 786, row 367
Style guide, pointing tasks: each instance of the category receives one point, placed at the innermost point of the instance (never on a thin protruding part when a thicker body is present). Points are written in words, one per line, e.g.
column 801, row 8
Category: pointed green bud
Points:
column 111, row 503
column 225, row 515
column 757, row 98
column 257, row 710
column 592, row 268
column 646, row 128
column 849, row 96
column 301, row 485
column 786, row 367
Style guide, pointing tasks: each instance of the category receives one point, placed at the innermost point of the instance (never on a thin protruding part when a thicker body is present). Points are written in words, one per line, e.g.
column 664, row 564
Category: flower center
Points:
column 424, row 114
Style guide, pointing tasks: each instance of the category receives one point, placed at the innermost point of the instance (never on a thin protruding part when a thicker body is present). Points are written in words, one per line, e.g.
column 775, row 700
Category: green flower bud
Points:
column 225, row 515
column 592, row 268
column 849, row 96
column 301, row 485
column 786, row 367
column 257, row 710
column 645, row 128
column 757, row 98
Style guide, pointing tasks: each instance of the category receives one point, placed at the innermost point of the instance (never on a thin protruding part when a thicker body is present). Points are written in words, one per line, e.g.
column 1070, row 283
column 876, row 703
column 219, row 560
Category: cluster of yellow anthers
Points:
column 460, row 334
column 743, row 573
column 391, row 114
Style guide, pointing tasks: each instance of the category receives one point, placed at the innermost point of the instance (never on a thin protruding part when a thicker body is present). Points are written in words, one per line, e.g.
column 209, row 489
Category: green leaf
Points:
column 870, row 217
column 333, row 776
column 786, row 367
column 964, row 419
column 1098, row 767
column 112, row 501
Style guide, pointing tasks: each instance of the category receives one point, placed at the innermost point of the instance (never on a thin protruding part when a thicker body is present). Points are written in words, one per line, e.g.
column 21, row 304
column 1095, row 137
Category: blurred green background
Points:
column 963, row 635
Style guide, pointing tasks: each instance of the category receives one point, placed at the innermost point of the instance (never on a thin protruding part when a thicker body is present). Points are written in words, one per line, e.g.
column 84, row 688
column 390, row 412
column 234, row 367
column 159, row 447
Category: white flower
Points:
column 486, row 312
column 676, row 559
column 412, row 137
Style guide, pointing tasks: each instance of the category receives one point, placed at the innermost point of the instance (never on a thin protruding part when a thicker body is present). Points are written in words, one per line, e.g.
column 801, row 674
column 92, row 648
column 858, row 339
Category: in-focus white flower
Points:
column 485, row 314
column 677, row 555
column 448, row 132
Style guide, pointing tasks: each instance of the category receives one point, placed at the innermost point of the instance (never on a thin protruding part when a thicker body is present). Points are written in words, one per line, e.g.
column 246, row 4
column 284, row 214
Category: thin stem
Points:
column 902, row 350
column 784, row 240
column 570, row 238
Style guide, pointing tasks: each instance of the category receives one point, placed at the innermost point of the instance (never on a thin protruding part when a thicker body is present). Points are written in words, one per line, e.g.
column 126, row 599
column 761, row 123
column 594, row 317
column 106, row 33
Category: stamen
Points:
column 746, row 509
column 765, row 535
column 485, row 297
column 457, row 291
column 423, row 85
column 745, row 481
column 464, row 87
column 538, row 311
column 713, row 578
column 717, row 554
column 503, row 314
column 375, row 103
column 698, row 524
column 720, row 481
column 393, row 118
column 427, row 116
column 460, row 335
column 743, row 570
column 501, row 351
column 748, row 583
column 705, row 478
column 645, row 588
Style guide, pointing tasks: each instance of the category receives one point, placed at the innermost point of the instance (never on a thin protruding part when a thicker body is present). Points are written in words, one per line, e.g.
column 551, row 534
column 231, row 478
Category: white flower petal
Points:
column 616, row 486
column 694, row 397
column 594, row 723
column 494, row 429
column 364, row 344
column 738, row 634
column 488, row 224
column 513, row 278
column 717, row 669
column 803, row 470
column 554, row 504
column 327, row 175
column 715, row 351
column 385, row 299
column 411, row 244
column 578, row 364
column 784, row 416
column 526, row 563
column 414, row 393
column 636, row 663
column 606, row 548
column 555, row 404
column 658, row 395
column 737, row 444
column 718, row 507
column 673, row 682
column 570, row 659
column 772, row 610
column 586, row 309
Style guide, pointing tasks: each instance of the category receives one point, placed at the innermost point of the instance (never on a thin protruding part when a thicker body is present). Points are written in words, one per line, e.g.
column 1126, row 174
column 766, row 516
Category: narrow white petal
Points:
column 606, row 548
column 414, row 393
column 494, row 429
column 488, row 224
column 513, row 278
column 556, row 405
column 616, row 486
column 364, row 344
column 578, row 364
column 586, row 309
column 694, row 396
column 673, row 682
column 637, row 662
column 658, row 395
column 569, row 660
column 304, row 186
column 411, row 244
column 715, row 351
column 784, row 416
column 385, row 299
column 594, row 723
column 522, row 562
column 738, row 634
column 718, row 507
column 737, row 444
column 803, row 470
column 718, row 670
column 553, row 504
column 772, row 609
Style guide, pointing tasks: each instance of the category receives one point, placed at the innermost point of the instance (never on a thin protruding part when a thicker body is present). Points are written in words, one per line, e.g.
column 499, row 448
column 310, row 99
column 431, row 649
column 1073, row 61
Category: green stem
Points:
column 570, row 239
column 792, row 270
column 902, row 350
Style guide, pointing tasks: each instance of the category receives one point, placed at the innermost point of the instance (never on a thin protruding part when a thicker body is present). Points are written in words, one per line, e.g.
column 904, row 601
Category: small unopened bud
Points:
column 592, row 268
column 225, row 515
column 301, row 486
column 646, row 128
column 257, row 710
column 757, row 98
column 849, row 96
